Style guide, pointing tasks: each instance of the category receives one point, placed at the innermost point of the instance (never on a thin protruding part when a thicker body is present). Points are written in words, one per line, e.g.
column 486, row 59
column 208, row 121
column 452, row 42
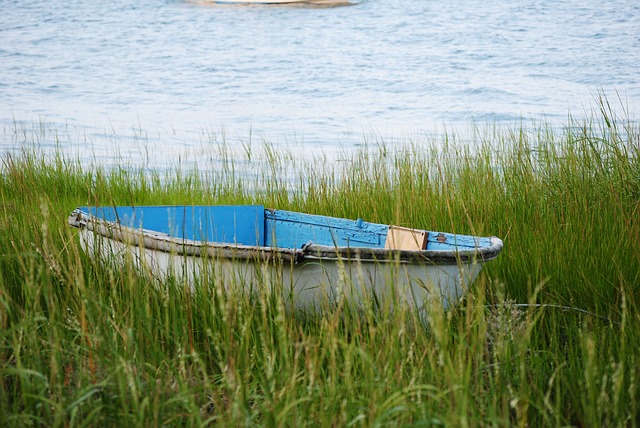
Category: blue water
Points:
column 161, row 79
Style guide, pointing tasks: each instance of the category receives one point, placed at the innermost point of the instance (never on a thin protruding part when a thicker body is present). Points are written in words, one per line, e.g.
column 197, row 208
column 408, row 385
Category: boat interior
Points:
column 255, row 225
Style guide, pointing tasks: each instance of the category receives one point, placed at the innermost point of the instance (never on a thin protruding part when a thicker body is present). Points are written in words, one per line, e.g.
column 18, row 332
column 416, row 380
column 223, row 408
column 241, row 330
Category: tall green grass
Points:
column 549, row 333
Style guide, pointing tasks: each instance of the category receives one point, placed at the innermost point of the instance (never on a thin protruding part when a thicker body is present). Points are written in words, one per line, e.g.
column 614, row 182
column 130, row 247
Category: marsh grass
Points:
column 549, row 333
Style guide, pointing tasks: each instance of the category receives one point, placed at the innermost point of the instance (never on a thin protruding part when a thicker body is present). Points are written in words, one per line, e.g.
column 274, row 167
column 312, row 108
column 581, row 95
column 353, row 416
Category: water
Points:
column 161, row 80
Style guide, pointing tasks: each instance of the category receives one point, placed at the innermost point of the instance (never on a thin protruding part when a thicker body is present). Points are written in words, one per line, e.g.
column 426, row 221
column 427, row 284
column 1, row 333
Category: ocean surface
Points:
column 159, row 81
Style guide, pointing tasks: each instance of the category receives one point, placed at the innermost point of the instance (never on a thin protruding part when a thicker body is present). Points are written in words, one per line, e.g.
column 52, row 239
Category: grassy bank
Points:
column 549, row 334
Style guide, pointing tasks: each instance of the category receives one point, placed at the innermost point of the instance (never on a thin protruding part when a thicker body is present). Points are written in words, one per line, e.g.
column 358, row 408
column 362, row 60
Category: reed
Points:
column 549, row 333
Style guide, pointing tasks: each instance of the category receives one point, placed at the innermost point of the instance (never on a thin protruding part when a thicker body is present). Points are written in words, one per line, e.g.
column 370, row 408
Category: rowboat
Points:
column 312, row 260
column 313, row 2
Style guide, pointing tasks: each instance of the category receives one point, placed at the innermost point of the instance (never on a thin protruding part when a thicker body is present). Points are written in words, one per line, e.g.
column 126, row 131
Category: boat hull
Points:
column 312, row 284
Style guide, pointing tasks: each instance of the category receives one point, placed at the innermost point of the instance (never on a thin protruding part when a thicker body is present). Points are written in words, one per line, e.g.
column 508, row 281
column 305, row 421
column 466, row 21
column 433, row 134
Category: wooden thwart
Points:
column 404, row 238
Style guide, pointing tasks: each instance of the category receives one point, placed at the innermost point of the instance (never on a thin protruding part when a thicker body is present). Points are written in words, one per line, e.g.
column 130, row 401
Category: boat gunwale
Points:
column 159, row 241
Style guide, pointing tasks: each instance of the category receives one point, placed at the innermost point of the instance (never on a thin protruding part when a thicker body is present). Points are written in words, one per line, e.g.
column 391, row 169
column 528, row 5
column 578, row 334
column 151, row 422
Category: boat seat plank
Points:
column 403, row 238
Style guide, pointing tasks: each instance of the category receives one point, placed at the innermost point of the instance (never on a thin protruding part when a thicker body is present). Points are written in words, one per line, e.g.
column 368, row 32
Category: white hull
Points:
column 310, row 285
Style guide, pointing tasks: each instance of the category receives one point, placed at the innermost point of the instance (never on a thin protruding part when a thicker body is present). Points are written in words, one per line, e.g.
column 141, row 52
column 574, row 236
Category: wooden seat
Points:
column 403, row 238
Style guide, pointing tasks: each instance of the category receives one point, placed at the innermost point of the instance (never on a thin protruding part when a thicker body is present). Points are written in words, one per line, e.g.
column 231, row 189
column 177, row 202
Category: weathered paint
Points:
column 447, row 241
column 288, row 229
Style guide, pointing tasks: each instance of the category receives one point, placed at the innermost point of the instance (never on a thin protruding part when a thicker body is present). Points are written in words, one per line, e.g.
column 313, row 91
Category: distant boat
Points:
column 316, row 2
column 317, row 259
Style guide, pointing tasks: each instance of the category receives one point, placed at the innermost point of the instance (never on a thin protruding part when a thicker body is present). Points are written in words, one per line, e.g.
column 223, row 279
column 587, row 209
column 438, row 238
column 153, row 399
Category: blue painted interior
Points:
column 232, row 224
column 253, row 225
column 455, row 241
column 292, row 230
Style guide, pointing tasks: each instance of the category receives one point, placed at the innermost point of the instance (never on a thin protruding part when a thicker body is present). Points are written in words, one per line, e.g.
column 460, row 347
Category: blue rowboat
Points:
column 317, row 259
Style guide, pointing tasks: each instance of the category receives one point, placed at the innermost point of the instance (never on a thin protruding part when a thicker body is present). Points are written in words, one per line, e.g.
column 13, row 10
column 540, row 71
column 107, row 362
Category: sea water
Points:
column 158, row 81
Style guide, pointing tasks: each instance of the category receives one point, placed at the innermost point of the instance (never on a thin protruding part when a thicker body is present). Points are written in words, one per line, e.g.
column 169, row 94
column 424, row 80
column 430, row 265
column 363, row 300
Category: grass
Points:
column 548, row 335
